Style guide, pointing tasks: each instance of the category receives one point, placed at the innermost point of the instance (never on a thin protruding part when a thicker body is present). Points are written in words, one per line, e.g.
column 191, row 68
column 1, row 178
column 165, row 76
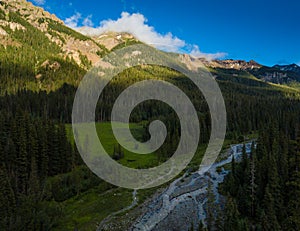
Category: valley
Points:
column 46, row 185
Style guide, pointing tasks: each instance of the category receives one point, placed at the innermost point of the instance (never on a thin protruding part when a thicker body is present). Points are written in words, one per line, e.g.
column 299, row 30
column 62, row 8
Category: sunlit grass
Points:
column 108, row 141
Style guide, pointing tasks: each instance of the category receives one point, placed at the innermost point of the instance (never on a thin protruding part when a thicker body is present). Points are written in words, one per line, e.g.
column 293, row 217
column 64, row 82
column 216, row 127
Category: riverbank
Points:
column 183, row 203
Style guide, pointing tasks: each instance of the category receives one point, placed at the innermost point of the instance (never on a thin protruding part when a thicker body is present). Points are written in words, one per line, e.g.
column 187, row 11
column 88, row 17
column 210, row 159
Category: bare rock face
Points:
column 73, row 44
column 79, row 47
column 292, row 68
column 194, row 63
column 238, row 64
column 232, row 64
column 51, row 65
column 111, row 39
column 2, row 32
column 28, row 10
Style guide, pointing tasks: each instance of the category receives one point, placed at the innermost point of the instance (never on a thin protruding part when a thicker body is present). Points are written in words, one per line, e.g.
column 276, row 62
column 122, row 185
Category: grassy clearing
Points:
column 86, row 210
column 108, row 140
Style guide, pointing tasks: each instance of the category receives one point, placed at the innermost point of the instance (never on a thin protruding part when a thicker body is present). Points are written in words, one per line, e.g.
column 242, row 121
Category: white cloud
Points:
column 198, row 54
column 39, row 2
column 88, row 21
column 136, row 24
column 73, row 20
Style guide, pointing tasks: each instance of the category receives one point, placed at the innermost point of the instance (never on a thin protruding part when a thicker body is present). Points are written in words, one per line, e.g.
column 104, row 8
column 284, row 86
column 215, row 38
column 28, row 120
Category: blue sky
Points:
column 263, row 30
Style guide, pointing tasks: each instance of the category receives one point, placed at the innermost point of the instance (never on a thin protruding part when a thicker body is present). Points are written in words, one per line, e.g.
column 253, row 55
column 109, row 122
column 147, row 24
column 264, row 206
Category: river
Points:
column 183, row 202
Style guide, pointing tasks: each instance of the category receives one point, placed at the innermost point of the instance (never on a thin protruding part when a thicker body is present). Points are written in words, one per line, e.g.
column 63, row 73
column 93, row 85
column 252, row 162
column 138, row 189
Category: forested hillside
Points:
column 42, row 175
column 34, row 146
column 263, row 190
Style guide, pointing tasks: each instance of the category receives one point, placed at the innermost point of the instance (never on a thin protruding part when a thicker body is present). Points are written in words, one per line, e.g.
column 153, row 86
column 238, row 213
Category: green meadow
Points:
column 108, row 141
column 86, row 210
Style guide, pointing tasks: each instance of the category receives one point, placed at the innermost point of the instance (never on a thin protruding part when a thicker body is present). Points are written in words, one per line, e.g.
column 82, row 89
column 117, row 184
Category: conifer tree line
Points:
column 34, row 148
column 262, row 191
column 31, row 150
column 40, row 167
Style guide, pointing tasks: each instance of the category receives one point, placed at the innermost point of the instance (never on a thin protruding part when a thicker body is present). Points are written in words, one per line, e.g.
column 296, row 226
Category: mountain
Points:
column 22, row 15
column 38, row 52
column 279, row 74
column 50, row 54
column 233, row 64
column 292, row 68
column 45, row 185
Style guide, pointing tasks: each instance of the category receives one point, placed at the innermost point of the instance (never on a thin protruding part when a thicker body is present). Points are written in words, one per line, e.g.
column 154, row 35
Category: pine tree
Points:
column 34, row 184
column 65, row 151
column 42, row 157
column 54, row 163
column 7, row 201
column 274, row 184
column 293, row 220
column 211, row 207
column 269, row 209
column 253, row 185
column 232, row 215
column 22, row 160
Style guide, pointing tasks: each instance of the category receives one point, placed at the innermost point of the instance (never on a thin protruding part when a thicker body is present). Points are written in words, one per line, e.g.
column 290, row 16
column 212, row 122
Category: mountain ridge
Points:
column 35, row 15
column 49, row 50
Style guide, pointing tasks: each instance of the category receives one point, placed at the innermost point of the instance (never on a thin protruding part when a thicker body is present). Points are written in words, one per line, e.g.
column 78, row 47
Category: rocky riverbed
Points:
column 183, row 203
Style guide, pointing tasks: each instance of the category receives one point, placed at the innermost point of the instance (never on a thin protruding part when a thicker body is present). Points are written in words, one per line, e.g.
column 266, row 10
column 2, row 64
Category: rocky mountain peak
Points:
column 18, row 14
column 28, row 10
column 238, row 64
column 291, row 67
